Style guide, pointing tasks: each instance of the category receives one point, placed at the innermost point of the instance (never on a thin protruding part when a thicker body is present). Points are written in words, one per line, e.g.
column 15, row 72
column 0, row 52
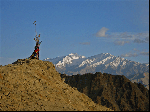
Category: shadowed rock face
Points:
column 35, row 85
column 113, row 91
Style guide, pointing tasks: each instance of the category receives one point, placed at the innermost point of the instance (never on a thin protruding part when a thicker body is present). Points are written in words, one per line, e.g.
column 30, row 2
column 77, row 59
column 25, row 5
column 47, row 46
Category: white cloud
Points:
column 121, row 38
column 147, row 39
column 144, row 53
column 136, row 50
column 101, row 32
column 134, row 53
column 85, row 43
column 119, row 42
column 125, row 35
column 128, row 37
column 129, row 55
column 139, row 41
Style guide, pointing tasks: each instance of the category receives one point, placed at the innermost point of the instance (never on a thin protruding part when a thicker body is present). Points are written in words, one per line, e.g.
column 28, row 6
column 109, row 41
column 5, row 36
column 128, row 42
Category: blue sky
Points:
column 86, row 27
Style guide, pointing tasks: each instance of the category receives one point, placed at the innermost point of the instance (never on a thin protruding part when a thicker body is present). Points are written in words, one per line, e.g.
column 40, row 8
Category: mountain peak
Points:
column 104, row 62
column 73, row 54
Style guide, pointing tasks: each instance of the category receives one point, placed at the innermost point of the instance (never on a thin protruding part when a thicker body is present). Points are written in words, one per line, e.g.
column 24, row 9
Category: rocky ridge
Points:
column 35, row 85
column 113, row 91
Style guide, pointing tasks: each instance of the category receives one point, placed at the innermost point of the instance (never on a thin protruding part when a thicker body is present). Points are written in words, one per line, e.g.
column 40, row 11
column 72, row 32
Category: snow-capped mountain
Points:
column 106, row 63
column 63, row 61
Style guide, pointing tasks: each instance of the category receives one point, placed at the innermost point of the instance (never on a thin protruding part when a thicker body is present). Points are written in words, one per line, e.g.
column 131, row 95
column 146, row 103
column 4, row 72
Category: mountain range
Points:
column 35, row 85
column 104, row 63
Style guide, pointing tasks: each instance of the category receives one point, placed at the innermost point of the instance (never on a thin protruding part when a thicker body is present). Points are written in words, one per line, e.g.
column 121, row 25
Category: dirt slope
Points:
column 29, row 85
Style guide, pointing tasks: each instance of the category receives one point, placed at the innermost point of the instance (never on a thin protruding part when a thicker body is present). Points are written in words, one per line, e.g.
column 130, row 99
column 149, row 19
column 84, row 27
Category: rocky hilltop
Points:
column 35, row 85
column 113, row 91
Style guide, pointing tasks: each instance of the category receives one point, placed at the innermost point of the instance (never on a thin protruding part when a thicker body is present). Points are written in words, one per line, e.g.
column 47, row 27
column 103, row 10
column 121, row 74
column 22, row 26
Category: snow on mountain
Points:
column 66, row 60
column 105, row 62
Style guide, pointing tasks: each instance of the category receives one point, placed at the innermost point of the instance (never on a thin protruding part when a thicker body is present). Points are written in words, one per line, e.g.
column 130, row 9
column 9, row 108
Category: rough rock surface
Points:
column 113, row 91
column 35, row 85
